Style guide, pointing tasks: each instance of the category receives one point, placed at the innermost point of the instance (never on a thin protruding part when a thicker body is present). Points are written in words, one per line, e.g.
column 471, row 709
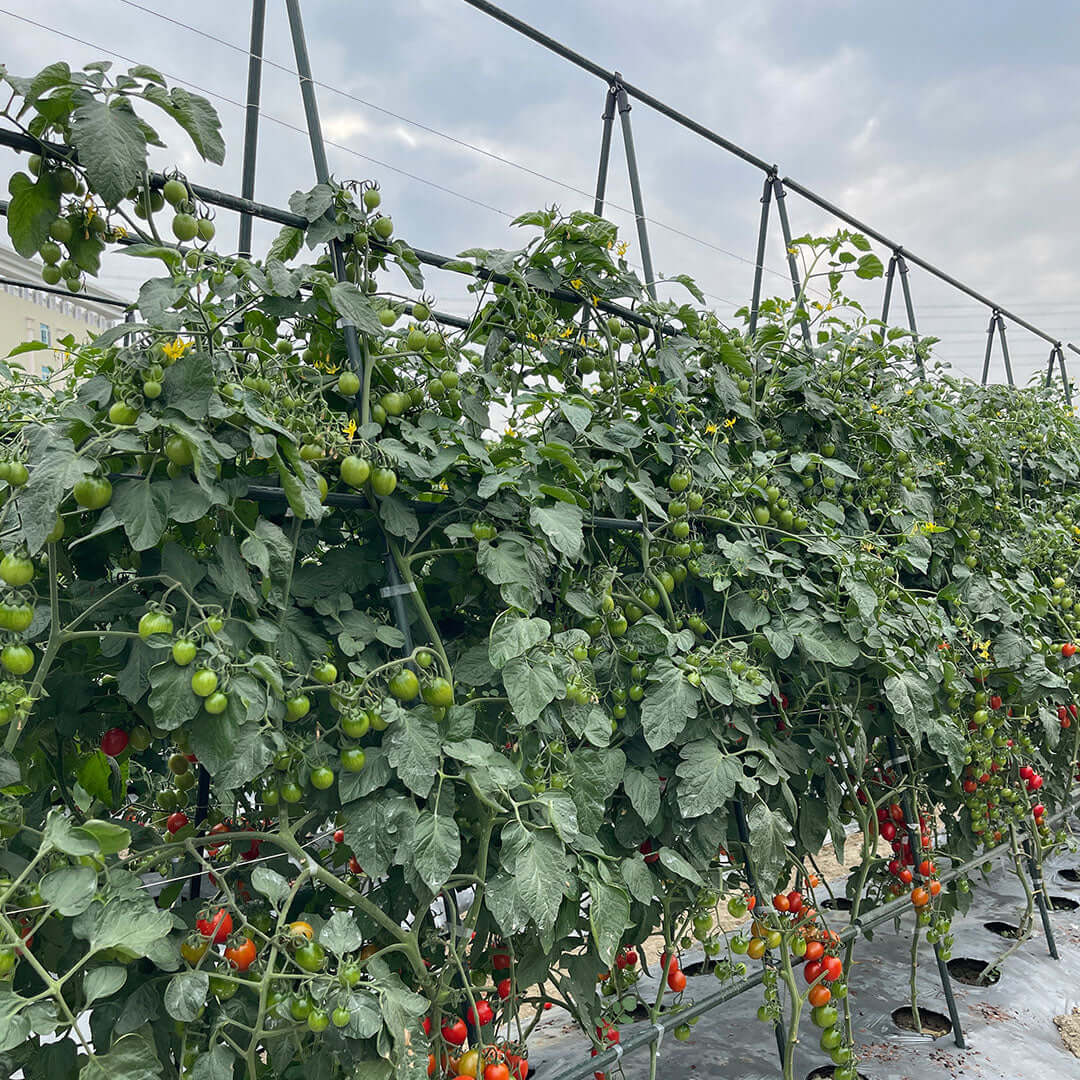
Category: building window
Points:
column 44, row 333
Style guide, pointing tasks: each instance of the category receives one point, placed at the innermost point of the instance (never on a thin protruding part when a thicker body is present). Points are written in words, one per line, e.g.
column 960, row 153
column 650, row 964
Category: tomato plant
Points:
column 532, row 617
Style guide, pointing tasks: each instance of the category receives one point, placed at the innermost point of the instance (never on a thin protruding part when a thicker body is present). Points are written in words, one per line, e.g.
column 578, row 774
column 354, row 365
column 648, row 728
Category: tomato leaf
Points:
column 670, row 701
column 186, row 994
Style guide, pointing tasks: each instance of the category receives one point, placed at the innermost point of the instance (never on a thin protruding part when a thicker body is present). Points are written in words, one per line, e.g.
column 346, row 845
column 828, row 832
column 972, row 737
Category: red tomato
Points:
column 794, row 899
column 497, row 1070
column 114, row 742
column 456, row 1033
column 780, row 902
column 676, row 981
column 834, row 968
column 503, row 989
column 500, row 961
column 175, row 822
column 219, row 927
column 813, row 968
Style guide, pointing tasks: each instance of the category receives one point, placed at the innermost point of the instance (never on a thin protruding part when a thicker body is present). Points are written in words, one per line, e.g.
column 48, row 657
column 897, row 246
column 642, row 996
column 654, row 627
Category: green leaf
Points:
column 186, row 994
column 216, row 1065
column 413, row 749
column 286, row 245
column 69, row 889
column 129, row 922
column 639, row 879
column 376, row 826
column 561, row 524
column 869, row 267
column 512, row 637
column 673, row 861
column 609, row 917
column 769, row 836
column 357, row 308
column 171, row 697
column 34, row 206
column 436, row 848
column 530, row 687
column 911, row 700
column 535, row 872
column 111, row 838
column 196, row 116
column 131, row 1058
column 112, row 146
column 271, row 884
column 708, row 777
column 312, row 204
column 61, row 834
column 340, row 934
column 189, row 384
column 143, row 509
column 56, row 467
column 827, row 646
column 670, row 701
column 102, row 982
column 643, row 787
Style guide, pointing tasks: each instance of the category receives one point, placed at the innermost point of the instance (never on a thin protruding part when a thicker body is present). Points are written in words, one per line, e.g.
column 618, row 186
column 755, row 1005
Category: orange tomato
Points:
column 819, row 995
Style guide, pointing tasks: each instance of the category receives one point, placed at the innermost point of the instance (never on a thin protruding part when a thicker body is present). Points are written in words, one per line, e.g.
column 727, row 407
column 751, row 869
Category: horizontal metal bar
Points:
column 17, row 141
column 716, row 139
column 42, row 287
column 635, row 92
column 929, row 267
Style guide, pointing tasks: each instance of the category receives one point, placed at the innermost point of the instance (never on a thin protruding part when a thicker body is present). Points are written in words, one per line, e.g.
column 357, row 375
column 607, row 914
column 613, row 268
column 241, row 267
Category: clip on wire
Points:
column 901, row 759
column 617, row 1047
column 660, row 1029
column 398, row 590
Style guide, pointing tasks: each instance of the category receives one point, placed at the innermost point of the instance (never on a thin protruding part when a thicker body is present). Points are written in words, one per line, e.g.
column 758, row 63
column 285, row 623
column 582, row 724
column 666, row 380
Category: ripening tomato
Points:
column 455, row 1033
column 834, row 968
column 920, row 897
column 814, row 951
column 819, row 995
column 241, row 956
column 676, row 981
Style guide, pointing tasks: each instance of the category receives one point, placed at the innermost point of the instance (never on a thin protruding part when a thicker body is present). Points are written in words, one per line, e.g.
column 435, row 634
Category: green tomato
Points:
column 18, row 659
column 154, row 622
column 356, row 724
column 355, row 471
column 439, row 693
column 291, row 792
column 322, row 778
column 93, row 492
column 184, row 651
column 216, row 703
column 324, row 673
column 318, row 1020
column 204, row 682
column 297, row 707
column 353, row 759
column 311, row 956
column 179, row 451
column 16, row 571
column 404, row 685
column 383, row 481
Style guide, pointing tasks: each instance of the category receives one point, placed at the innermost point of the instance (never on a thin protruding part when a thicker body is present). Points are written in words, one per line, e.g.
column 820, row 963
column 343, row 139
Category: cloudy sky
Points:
column 949, row 126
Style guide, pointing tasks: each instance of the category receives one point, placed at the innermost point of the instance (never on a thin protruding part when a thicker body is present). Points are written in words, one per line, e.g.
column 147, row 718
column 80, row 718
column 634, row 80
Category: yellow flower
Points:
column 349, row 430
column 623, row 248
column 119, row 231
column 730, row 422
column 576, row 283
column 175, row 349
column 595, row 299
column 651, row 388
column 710, row 428
column 511, row 432
column 566, row 332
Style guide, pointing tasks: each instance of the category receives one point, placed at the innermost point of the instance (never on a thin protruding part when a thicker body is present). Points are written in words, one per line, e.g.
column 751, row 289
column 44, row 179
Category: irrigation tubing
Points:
column 642, row 1036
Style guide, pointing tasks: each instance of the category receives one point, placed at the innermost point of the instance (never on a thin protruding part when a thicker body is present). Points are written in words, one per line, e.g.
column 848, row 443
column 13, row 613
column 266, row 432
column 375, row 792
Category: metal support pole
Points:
column 989, row 347
column 901, row 265
column 915, row 830
column 890, row 277
column 322, row 168
column 793, row 266
column 1057, row 353
column 759, row 262
column 751, row 881
column 1005, row 349
column 635, row 188
column 202, row 808
column 394, row 592
column 251, row 120
column 605, row 150
column 1040, row 895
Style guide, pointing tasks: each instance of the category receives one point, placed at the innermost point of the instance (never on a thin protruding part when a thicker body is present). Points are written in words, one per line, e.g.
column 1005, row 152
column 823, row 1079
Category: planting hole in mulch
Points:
column 1069, row 1028
column 826, row 1072
column 1063, row 903
column 1070, row 873
column 838, row 903
column 1002, row 929
column 699, row 967
column 934, row 1024
column 964, row 969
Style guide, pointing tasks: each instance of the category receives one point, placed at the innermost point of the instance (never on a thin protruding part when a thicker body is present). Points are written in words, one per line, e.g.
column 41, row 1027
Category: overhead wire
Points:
column 456, row 140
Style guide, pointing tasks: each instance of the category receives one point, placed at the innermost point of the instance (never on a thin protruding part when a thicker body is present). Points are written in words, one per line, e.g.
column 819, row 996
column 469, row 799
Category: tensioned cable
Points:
column 274, row 119
column 348, row 149
column 457, row 141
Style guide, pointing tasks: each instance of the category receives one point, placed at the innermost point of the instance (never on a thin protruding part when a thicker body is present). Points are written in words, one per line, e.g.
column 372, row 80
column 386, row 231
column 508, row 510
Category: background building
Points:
column 28, row 313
